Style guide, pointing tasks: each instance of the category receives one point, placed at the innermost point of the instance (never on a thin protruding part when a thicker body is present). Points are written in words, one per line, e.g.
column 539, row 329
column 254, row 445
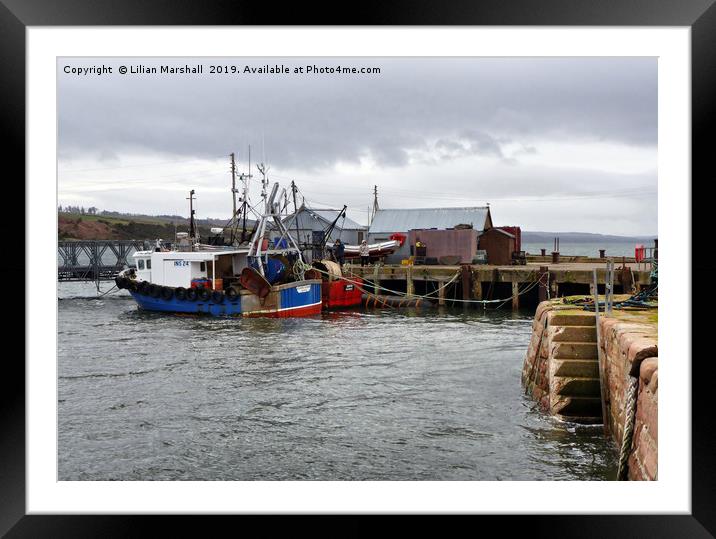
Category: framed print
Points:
column 404, row 264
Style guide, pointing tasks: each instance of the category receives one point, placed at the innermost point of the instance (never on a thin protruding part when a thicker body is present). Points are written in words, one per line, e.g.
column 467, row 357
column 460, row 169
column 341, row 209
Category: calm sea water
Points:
column 378, row 395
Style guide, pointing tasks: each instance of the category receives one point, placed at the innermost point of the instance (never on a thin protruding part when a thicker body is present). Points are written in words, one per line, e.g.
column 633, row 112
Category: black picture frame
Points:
column 699, row 15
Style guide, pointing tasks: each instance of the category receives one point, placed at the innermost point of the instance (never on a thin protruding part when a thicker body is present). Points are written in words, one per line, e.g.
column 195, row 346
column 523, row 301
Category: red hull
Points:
column 289, row 313
column 341, row 293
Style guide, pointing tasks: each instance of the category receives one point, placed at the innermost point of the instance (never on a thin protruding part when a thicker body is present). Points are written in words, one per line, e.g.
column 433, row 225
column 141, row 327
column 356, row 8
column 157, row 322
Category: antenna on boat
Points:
column 263, row 169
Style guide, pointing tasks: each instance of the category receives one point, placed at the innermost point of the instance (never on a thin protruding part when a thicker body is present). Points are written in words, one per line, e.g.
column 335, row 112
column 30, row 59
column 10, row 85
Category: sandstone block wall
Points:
column 632, row 348
column 628, row 347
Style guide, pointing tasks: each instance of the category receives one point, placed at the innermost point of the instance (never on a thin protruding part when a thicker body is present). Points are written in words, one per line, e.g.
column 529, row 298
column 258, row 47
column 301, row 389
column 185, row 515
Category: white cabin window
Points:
column 202, row 266
column 149, row 264
column 140, row 264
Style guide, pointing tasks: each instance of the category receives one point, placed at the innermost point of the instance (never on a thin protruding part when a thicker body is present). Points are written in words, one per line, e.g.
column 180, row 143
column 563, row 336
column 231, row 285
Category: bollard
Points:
column 544, row 252
column 555, row 257
column 602, row 253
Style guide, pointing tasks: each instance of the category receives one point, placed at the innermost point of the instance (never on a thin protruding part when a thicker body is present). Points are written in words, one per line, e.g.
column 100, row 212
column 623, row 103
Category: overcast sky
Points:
column 558, row 144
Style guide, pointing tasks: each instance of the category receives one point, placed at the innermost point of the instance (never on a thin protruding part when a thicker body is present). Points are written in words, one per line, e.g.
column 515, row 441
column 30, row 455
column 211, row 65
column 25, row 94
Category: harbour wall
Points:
column 561, row 372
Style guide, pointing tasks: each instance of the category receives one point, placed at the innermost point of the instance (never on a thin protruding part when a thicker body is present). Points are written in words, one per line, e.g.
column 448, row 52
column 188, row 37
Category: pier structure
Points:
column 94, row 260
column 587, row 367
column 474, row 283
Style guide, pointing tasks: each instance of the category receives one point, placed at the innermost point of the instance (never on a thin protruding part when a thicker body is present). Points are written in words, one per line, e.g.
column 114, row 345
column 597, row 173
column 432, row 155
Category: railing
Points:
column 94, row 260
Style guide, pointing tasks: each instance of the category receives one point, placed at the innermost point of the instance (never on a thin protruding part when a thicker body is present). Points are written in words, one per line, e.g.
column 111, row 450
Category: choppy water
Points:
column 379, row 395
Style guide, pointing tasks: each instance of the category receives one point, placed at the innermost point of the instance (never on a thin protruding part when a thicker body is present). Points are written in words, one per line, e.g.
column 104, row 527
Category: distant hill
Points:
column 530, row 236
column 142, row 218
column 114, row 226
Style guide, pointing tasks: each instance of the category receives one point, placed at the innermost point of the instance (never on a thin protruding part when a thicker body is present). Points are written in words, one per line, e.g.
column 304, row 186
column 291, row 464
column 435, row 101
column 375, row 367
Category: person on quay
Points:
column 364, row 252
column 339, row 252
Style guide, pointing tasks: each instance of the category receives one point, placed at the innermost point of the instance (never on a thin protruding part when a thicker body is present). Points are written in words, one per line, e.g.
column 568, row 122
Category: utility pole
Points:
column 233, row 196
column 192, row 225
column 375, row 202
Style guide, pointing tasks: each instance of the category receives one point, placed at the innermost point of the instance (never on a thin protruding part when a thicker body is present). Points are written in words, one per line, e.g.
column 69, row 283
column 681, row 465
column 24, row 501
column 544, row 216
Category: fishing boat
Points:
column 254, row 278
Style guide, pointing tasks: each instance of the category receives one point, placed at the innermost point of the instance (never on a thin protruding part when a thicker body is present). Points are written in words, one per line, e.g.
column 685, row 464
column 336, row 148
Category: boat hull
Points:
column 301, row 298
column 340, row 294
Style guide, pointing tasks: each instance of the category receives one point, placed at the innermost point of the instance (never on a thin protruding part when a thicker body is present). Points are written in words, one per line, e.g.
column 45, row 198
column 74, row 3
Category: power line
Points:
column 446, row 195
column 147, row 179
column 139, row 165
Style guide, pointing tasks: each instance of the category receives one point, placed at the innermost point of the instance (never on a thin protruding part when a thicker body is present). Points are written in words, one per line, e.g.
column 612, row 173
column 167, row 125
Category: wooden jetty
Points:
column 484, row 282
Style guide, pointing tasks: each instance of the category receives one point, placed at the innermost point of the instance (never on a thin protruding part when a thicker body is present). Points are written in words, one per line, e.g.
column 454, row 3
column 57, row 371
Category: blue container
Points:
column 280, row 243
column 275, row 270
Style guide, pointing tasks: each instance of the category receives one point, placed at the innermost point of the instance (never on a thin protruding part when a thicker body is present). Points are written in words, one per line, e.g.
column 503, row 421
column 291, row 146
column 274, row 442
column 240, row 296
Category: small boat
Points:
column 261, row 278
column 382, row 248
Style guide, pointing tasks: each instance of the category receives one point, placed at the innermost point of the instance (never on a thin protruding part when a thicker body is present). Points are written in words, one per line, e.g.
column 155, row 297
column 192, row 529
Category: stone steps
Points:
column 569, row 386
column 575, row 391
column 573, row 319
column 580, row 368
column 575, row 334
column 574, row 350
column 581, row 409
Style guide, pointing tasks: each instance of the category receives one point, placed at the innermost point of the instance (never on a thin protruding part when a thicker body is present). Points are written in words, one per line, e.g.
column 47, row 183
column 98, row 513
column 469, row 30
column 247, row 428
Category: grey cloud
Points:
column 469, row 142
column 312, row 122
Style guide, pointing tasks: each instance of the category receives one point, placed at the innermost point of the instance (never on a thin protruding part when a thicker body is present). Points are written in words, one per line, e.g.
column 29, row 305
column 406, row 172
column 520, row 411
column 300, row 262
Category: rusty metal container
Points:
column 460, row 243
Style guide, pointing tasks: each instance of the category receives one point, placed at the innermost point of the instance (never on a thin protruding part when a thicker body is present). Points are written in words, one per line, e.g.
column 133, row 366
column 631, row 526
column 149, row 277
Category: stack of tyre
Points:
column 167, row 293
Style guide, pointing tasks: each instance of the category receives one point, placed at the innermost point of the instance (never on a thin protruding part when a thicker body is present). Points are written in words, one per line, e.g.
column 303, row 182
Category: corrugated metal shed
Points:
column 319, row 219
column 403, row 220
column 330, row 215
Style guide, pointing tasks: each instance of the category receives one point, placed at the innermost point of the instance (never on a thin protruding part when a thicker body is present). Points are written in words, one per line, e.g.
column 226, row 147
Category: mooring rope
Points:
column 107, row 292
column 430, row 295
column 630, row 395
column 529, row 379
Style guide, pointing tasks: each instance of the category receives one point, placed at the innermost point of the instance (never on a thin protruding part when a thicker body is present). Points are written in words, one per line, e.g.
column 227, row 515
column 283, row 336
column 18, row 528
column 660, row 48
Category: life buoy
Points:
column 180, row 293
column 232, row 294
column 155, row 290
column 167, row 293
column 203, row 294
column 191, row 294
column 217, row 296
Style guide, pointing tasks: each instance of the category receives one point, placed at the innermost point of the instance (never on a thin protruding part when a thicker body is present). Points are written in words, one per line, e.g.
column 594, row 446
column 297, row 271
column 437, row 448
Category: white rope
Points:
column 529, row 287
column 631, row 393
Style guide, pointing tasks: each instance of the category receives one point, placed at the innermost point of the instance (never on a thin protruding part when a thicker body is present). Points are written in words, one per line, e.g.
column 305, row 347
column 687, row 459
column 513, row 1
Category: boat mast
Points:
column 295, row 210
column 245, row 197
column 257, row 240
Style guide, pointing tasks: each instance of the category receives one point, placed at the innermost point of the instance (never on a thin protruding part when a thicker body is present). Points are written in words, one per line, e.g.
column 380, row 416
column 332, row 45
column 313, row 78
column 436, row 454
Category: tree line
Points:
column 78, row 209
